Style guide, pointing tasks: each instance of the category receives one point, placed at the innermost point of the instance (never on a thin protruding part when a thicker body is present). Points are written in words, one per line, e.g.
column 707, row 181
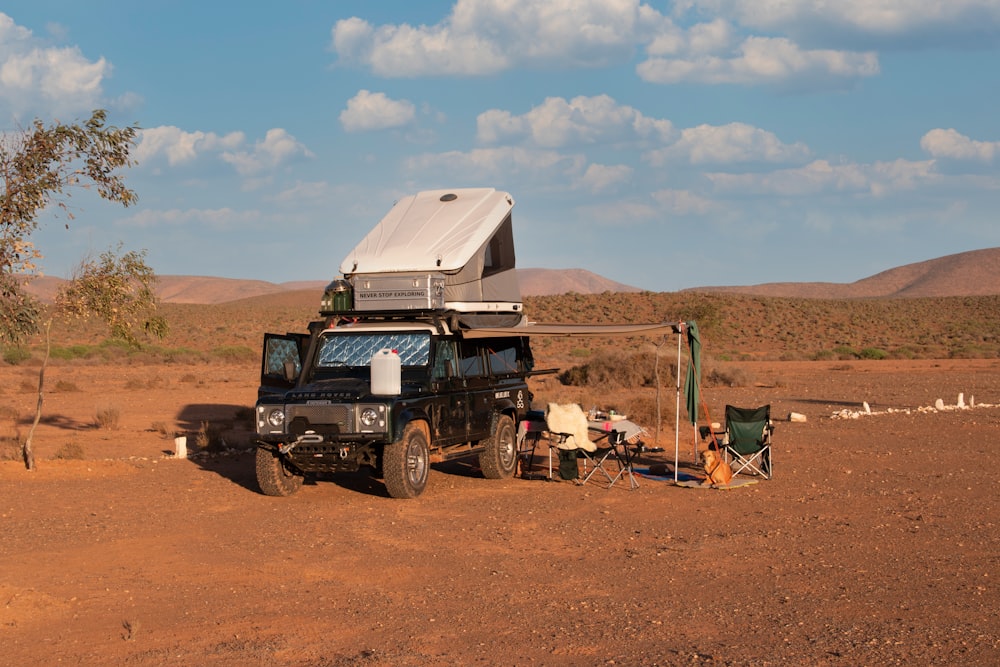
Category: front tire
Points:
column 406, row 464
column 499, row 459
column 274, row 475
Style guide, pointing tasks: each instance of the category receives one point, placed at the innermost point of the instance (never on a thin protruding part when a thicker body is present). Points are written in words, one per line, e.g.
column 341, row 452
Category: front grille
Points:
column 322, row 415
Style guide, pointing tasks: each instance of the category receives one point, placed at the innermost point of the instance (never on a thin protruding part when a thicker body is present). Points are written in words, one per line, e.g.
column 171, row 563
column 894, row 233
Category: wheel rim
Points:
column 507, row 448
column 416, row 464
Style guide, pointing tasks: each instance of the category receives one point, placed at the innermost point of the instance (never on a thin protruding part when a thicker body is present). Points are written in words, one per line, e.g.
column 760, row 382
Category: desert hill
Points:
column 209, row 290
column 971, row 273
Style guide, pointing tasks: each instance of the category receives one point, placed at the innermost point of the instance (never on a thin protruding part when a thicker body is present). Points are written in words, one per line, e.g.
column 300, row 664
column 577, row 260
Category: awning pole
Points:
column 677, row 409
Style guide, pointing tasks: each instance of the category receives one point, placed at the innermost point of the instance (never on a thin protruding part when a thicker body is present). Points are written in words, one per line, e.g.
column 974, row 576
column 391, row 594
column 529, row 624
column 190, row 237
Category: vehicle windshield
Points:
column 338, row 350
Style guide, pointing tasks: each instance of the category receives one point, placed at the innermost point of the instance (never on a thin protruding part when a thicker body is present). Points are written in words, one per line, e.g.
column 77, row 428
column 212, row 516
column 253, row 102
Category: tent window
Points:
column 499, row 251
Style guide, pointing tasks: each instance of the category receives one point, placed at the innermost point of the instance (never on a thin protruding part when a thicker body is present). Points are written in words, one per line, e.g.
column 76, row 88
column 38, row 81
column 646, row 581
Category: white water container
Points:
column 386, row 373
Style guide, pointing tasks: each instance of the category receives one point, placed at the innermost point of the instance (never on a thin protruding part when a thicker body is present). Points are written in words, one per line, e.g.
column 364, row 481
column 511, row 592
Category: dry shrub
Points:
column 161, row 428
column 614, row 370
column 728, row 377
column 189, row 378
column 151, row 382
column 66, row 386
column 70, row 451
column 108, row 418
column 10, row 447
column 209, row 437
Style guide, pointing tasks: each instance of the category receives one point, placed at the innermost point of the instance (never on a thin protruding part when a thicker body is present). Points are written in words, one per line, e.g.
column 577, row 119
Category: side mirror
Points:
column 290, row 372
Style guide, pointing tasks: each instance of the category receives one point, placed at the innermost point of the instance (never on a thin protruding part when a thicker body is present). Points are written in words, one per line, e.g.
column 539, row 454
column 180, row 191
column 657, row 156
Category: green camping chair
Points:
column 747, row 440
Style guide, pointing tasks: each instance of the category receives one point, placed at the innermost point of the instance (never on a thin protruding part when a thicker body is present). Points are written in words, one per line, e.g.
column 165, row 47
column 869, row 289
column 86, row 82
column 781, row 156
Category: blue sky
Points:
column 661, row 144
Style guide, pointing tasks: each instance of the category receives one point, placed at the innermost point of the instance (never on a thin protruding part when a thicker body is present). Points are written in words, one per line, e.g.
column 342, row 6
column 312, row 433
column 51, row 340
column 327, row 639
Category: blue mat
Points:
column 690, row 481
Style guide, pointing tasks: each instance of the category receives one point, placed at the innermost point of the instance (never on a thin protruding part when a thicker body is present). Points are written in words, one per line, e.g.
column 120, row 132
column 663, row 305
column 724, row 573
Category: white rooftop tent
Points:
column 461, row 237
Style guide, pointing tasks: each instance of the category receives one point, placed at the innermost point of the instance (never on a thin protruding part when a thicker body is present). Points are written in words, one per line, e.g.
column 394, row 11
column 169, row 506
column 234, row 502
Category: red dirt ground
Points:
column 876, row 542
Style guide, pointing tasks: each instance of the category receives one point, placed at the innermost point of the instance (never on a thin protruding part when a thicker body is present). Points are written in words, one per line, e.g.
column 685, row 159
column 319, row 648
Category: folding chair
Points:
column 613, row 448
column 747, row 440
column 569, row 435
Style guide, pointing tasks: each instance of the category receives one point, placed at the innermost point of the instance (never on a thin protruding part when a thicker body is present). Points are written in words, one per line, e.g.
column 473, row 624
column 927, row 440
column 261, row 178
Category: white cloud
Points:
column 498, row 164
column 951, row 144
column 582, row 120
column 599, row 177
column 488, row 36
column 762, row 60
column 179, row 146
column 876, row 20
column 277, row 148
column 728, row 144
column 821, row 177
column 375, row 111
column 683, row 202
column 44, row 80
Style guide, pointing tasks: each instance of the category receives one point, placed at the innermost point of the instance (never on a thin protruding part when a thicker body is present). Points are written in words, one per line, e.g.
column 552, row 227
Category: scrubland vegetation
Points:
column 733, row 328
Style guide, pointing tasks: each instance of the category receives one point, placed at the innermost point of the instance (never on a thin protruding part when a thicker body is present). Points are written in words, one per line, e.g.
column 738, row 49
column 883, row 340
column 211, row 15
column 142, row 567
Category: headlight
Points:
column 369, row 417
column 276, row 417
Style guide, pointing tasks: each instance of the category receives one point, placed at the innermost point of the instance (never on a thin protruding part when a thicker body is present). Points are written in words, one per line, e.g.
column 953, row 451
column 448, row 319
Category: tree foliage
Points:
column 39, row 166
column 117, row 289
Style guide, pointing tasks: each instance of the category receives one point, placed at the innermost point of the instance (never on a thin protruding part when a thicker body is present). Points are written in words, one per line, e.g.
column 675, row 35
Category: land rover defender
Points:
column 391, row 394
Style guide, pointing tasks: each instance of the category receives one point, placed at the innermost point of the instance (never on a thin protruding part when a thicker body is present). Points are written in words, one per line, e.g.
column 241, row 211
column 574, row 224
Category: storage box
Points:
column 424, row 291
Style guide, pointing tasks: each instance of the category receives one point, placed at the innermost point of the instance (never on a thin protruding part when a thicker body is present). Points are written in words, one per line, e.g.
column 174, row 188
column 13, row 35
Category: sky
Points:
column 663, row 145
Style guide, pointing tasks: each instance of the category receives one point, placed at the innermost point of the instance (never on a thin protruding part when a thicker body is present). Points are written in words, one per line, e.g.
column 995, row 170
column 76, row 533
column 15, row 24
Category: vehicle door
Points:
column 281, row 362
column 472, row 362
column 448, row 410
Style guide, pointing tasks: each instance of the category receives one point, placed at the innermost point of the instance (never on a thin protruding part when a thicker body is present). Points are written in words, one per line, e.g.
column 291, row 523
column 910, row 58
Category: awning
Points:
column 576, row 330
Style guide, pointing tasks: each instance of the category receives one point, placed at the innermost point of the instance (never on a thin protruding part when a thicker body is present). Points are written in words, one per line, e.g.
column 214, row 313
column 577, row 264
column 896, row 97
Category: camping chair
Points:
column 747, row 440
column 612, row 448
column 569, row 435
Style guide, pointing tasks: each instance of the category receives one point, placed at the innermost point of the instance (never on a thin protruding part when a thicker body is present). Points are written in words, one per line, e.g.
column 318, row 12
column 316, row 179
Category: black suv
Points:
column 449, row 397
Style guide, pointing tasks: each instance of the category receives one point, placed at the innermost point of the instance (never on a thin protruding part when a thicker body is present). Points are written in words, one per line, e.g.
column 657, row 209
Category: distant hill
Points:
column 547, row 282
column 972, row 273
column 208, row 290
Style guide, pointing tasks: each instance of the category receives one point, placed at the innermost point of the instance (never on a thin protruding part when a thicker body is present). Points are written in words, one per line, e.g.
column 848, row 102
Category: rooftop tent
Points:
column 464, row 235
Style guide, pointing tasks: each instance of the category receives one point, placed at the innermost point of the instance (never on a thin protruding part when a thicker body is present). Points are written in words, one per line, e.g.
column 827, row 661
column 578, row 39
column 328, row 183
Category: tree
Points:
column 39, row 166
column 116, row 288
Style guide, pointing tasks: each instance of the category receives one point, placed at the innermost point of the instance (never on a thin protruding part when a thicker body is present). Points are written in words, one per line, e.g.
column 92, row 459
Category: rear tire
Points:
column 499, row 459
column 274, row 475
column 406, row 464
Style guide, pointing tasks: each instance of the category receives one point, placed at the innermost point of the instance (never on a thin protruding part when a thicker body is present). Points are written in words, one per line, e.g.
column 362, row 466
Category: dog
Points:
column 717, row 471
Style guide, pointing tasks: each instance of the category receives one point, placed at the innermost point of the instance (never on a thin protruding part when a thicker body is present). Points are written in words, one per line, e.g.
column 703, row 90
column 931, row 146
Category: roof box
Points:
column 457, row 245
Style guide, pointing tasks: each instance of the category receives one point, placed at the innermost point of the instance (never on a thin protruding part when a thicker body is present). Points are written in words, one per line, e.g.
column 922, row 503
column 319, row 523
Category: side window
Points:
column 444, row 360
column 279, row 352
column 503, row 356
column 471, row 361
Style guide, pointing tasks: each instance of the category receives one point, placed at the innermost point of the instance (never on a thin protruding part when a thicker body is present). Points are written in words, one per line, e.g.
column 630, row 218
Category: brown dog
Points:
column 717, row 471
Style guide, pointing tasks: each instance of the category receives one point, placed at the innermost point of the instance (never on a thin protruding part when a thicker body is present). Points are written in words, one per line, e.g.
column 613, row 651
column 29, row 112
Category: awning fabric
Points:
column 575, row 330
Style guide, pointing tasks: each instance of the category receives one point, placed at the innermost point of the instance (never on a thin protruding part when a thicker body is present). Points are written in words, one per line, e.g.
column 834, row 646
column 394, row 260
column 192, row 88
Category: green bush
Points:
column 16, row 355
column 71, row 352
column 873, row 353
column 844, row 352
